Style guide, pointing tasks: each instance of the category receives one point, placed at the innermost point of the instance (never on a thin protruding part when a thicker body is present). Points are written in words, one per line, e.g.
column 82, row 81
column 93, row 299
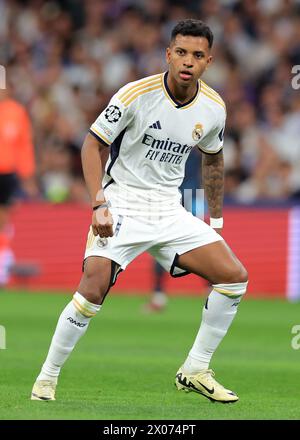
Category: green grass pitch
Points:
column 124, row 367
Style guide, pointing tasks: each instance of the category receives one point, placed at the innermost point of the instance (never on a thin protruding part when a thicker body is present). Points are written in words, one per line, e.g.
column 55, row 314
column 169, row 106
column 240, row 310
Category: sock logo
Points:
column 78, row 324
column 206, row 304
column 235, row 304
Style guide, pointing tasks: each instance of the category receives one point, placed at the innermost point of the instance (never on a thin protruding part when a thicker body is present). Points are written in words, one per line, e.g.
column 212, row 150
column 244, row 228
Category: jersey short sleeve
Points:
column 212, row 143
column 109, row 124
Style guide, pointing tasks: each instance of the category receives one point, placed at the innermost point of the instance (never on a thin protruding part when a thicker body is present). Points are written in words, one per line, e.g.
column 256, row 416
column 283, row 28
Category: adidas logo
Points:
column 156, row 125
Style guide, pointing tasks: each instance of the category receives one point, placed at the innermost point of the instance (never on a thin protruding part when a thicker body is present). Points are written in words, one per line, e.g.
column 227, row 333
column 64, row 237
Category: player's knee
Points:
column 238, row 274
column 93, row 286
column 234, row 284
column 242, row 275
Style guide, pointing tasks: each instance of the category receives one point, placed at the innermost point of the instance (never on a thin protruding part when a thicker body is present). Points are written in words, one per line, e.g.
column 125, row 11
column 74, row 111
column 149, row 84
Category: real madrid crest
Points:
column 197, row 132
column 102, row 242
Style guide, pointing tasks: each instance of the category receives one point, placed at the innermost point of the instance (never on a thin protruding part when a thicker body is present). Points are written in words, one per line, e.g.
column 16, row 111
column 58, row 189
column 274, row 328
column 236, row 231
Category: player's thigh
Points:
column 106, row 257
column 180, row 233
column 190, row 245
column 131, row 237
column 215, row 262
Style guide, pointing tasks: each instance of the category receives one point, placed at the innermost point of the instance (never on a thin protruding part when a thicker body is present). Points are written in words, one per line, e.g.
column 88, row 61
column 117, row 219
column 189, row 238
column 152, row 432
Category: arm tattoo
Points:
column 213, row 182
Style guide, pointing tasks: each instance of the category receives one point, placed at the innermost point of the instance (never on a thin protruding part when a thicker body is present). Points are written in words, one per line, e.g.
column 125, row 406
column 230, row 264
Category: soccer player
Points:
column 151, row 126
column 17, row 167
column 159, row 299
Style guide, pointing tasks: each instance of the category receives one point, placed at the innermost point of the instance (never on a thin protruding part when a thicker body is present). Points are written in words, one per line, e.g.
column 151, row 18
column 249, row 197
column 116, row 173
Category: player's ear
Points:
column 209, row 61
column 168, row 55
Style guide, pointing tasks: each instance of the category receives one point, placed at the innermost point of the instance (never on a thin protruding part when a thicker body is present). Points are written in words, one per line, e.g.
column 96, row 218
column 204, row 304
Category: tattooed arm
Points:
column 213, row 182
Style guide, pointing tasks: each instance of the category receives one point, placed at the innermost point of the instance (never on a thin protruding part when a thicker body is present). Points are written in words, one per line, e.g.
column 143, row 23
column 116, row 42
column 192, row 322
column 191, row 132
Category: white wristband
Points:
column 216, row 223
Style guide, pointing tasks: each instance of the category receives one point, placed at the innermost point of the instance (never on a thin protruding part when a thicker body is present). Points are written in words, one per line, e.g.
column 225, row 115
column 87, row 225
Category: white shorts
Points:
column 165, row 239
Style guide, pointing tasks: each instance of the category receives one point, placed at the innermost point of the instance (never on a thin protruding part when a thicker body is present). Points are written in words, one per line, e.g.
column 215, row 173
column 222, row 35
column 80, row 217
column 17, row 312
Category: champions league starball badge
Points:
column 112, row 113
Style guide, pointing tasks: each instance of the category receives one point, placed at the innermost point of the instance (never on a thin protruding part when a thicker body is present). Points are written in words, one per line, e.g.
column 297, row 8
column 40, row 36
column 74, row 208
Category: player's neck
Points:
column 181, row 94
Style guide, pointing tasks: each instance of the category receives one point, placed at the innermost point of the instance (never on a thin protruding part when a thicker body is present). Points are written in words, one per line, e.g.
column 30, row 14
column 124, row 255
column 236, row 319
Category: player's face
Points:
column 188, row 57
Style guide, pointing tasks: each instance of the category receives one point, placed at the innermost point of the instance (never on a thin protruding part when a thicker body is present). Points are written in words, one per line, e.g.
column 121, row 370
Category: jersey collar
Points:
column 171, row 97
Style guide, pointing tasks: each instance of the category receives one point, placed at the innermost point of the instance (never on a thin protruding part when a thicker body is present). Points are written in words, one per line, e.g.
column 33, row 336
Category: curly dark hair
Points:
column 193, row 27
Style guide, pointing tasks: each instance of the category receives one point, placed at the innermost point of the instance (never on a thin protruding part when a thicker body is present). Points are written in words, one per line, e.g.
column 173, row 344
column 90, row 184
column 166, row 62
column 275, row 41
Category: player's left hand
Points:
column 219, row 231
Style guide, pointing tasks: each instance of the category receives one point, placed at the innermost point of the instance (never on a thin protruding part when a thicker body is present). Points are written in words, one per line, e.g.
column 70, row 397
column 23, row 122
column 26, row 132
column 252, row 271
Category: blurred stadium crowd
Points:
column 65, row 59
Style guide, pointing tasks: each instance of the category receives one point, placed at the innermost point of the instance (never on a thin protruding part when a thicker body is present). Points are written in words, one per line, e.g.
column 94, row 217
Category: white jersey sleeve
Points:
column 112, row 121
column 212, row 143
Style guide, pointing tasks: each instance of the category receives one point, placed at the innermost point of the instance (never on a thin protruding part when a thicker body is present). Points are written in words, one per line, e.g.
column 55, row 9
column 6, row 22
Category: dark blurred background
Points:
column 65, row 59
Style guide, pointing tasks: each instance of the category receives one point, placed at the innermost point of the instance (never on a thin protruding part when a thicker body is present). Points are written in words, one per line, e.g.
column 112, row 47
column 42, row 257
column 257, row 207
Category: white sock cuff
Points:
column 85, row 307
column 159, row 298
column 232, row 290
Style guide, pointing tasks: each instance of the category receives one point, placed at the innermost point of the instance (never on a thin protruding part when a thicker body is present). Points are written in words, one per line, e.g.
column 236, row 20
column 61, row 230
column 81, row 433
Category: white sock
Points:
column 6, row 262
column 72, row 324
column 159, row 298
column 217, row 316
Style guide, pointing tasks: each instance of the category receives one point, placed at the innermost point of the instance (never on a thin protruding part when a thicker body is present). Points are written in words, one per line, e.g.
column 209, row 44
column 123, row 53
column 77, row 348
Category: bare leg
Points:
column 6, row 254
column 215, row 262
column 95, row 280
column 159, row 298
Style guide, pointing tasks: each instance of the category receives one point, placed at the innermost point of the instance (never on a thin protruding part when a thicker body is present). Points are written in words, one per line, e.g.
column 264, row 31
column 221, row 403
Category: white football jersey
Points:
column 151, row 136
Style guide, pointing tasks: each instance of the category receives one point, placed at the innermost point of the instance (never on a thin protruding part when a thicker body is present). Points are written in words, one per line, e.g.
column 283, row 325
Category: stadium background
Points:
column 64, row 59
